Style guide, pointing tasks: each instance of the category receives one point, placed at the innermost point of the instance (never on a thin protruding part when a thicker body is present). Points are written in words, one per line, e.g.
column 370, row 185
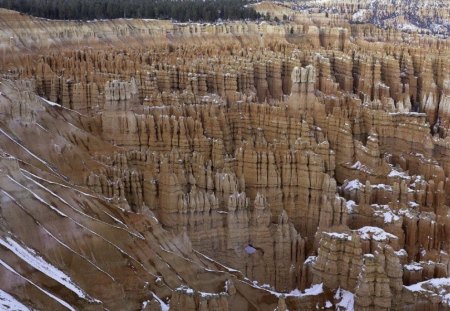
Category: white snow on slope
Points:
column 314, row 290
column 409, row 27
column 340, row 236
column 353, row 185
column 138, row 235
column 361, row 15
column 29, row 256
column 31, row 153
column 87, row 229
column 415, row 266
column 385, row 212
column 50, row 102
column 395, row 173
column 8, row 302
column 310, row 260
column 60, row 301
column 164, row 306
column 58, row 184
column 375, row 233
column 440, row 287
column 38, row 197
column 435, row 283
column 351, row 206
column 58, row 240
column 347, row 300
column 57, row 105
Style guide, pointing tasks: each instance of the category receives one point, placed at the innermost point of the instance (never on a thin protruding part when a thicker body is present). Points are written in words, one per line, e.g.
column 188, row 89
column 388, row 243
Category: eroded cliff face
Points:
column 423, row 16
column 235, row 166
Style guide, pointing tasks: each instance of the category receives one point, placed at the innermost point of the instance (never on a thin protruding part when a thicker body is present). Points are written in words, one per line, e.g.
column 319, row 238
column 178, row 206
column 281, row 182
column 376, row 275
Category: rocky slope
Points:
column 241, row 166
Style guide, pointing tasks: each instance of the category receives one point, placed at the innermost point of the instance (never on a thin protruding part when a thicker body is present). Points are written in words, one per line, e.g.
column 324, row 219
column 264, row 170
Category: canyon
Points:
column 296, row 165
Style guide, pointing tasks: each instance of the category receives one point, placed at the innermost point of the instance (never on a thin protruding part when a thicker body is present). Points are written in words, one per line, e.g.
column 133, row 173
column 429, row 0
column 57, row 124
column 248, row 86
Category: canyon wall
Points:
column 235, row 165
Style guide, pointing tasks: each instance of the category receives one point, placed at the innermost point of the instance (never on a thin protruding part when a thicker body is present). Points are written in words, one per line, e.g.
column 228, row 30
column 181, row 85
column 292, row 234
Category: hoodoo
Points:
column 296, row 159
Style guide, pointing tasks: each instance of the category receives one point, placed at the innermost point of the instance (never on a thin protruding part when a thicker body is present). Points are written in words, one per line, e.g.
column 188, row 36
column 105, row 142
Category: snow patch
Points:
column 382, row 186
column 314, row 290
column 347, row 300
column 415, row 266
column 50, row 102
column 164, row 306
column 340, row 236
column 29, row 256
column 38, row 197
column 401, row 253
column 375, row 233
column 385, row 212
column 408, row 27
column 361, row 167
column 60, row 301
column 353, row 185
column 361, row 15
column 310, row 260
column 8, row 302
column 15, row 140
column 439, row 287
column 351, row 206
column 53, row 104
column 185, row 289
column 413, row 204
column 395, row 173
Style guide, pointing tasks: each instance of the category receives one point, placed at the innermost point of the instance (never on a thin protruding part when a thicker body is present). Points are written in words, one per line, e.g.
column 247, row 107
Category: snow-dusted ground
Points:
column 385, row 212
column 314, row 290
column 33, row 259
column 409, row 16
column 353, row 185
column 342, row 236
column 440, row 287
column 59, row 300
column 375, row 233
column 8, row 302
column 347, row 300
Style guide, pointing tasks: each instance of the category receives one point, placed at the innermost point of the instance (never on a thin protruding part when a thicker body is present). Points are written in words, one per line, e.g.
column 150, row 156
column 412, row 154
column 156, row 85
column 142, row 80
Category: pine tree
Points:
column 194, row 10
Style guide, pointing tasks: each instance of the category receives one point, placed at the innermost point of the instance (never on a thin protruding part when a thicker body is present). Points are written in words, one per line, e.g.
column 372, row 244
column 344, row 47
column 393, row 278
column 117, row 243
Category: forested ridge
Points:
column 179, row 10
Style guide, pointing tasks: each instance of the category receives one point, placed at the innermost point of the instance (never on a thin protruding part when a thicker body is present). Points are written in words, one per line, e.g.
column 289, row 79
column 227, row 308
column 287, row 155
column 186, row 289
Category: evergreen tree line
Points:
column 179, row 10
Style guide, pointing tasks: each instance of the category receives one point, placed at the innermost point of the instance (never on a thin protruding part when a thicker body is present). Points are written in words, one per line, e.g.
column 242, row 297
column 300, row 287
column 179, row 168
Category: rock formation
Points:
column 232, row 166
